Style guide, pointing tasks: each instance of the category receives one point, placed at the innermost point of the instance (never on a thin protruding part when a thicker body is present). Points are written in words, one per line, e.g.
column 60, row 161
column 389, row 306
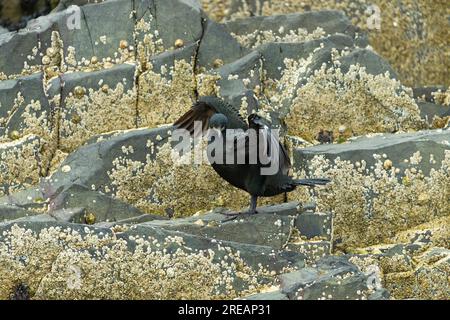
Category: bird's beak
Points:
column 218, row 130
column 258, row 122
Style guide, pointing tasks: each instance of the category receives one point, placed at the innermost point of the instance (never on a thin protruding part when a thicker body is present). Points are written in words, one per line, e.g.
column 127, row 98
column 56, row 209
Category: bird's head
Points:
column 218, row 121
column 256, row 122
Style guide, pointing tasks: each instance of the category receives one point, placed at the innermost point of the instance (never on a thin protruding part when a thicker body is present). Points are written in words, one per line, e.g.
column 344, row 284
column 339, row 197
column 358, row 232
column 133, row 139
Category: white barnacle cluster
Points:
column 259, row 37
column 371, row 205
column 68, row 263
column 362, row 102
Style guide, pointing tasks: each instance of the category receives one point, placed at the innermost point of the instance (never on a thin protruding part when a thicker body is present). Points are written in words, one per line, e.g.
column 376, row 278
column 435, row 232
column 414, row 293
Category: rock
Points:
column 267, row 229
column 10, row 212
column 381, row 294
column 373, row 63
column 329, row 20
column 240, row 76
column 397, row 148
column 22, row 42
column 430, row 110
column 39, row 218
column 25, row 108
column 253, row 255
column 274, row 54
column 217, row 43
column 77, row 204
column 291, row 282
column 314, row 224
column 183, row 16
column 425, row 94
column 22, row 163
column 267, row 296
column 95, row 102
column 313, row 250
column 99, row 28
column 168, row 58
column 90, row 164
column 220, row 257
column 333, row 278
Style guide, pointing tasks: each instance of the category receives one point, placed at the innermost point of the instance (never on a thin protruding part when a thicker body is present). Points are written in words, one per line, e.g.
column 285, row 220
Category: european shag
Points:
column 218, row 115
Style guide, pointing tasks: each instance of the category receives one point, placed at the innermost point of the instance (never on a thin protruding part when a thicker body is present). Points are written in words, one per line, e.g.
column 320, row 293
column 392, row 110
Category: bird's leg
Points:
column 253, row 202
column 251, row 211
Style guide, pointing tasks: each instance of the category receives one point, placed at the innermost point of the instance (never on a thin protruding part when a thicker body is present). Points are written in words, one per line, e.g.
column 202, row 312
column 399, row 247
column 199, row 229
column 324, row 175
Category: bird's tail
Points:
column 311, row 182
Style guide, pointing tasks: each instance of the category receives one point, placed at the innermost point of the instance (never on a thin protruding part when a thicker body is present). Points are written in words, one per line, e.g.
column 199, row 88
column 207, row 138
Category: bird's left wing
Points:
column 204, row 109
column 200, row 111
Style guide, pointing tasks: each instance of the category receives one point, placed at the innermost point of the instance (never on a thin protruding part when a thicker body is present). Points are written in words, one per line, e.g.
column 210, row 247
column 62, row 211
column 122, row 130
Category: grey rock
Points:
column 429, row 110
column 426, row 93
column 292, row 208
column 291, row 282
column 275, row 53
column 14, row 50
column 247, row 67
column 174, row 19
column 333, row 278
column 34, row 219
column 331, row 21
column 87, row 166
column 253, row 255
column 397, row 147
column 90, row 163
column 313, row 250
column 267, row 296
column 266, row 229
column 75, row 215
column 123, row 73
column 65, row 85
column 71, row 202
column 3, row 30
column 86, row 40
column 381, row 294
column 10, row 212
column 168, row 58
column 130, row 221
column 13, row 115
column 28, row 151
column 373, row 63
column 314, row 224
column 217, row 43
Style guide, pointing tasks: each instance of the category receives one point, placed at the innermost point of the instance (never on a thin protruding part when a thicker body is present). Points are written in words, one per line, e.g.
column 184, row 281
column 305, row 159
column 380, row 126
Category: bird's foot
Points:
column 233, row 215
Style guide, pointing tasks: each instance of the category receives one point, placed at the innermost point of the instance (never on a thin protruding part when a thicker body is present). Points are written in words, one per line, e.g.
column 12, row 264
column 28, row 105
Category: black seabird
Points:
column 216, row 114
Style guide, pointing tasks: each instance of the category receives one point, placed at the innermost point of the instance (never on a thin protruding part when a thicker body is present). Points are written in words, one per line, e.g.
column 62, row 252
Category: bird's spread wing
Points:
column 201, row 111
column 204, row 109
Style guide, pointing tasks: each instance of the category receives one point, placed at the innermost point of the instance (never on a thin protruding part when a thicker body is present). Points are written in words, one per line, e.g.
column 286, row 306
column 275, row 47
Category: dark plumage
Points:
column 217, row 114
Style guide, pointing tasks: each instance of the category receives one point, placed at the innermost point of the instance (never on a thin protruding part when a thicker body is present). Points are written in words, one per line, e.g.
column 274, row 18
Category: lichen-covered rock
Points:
column 25, row 109
column 396, row 148
column 94, row 103
column 415, row 44
column 23, row 162
column 77, row 262
column 333, row 278
column 267, row 230
column 372, row 200
column 256, row 30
